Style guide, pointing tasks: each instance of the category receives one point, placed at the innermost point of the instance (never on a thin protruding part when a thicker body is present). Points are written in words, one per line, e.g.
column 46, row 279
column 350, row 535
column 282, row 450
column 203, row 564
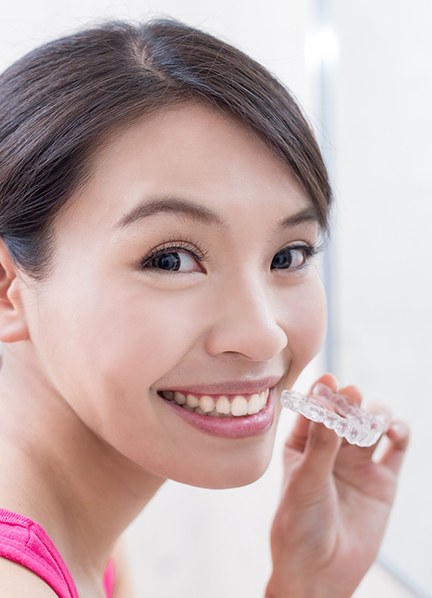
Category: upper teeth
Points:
column 221, row 405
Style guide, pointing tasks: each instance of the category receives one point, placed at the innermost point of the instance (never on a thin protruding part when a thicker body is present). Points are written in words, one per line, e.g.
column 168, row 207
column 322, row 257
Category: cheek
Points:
column 140, row 342
column 116, row 345
column 307, row 323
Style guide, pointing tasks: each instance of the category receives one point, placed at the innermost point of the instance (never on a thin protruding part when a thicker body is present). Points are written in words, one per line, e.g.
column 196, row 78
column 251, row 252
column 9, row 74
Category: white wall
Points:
column 383, row 144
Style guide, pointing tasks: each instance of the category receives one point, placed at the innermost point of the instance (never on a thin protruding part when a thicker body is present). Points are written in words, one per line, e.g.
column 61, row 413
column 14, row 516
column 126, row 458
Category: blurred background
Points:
column 362, row 73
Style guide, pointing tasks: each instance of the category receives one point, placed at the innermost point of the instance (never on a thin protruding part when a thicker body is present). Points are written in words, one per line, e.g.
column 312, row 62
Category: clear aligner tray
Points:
column 336, row 413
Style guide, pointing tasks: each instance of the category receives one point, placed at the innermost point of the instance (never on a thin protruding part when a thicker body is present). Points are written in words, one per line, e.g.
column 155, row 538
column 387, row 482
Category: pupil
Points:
column 283, row 259
column 168, row 261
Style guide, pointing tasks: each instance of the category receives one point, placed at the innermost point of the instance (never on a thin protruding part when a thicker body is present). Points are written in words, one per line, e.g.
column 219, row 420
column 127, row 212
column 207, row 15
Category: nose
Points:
column 245, row 321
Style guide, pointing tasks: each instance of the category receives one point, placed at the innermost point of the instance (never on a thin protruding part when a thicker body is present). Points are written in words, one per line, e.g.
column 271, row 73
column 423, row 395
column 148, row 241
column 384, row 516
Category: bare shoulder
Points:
column 18, row 582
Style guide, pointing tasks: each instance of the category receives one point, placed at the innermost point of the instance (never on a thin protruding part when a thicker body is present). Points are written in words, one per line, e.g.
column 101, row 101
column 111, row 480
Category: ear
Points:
column 13, row 325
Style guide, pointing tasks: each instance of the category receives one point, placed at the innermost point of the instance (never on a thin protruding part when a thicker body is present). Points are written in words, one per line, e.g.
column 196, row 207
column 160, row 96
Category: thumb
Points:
column 322, row 447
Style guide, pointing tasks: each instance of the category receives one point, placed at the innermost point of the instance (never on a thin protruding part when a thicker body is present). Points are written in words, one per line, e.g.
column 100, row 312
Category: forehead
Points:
column 189, row 150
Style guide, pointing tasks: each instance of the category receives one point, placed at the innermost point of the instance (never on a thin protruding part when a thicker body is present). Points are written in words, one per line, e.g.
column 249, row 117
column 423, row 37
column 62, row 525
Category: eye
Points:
column 293, row 258
column 173, row 258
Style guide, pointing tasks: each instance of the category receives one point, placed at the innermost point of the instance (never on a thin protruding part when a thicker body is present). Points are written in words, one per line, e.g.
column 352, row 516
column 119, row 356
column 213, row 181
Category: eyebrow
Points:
column 169, row 204
column 308, row 214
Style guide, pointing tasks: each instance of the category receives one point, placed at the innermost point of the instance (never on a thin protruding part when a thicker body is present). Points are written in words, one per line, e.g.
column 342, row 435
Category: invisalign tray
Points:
column 335, row 412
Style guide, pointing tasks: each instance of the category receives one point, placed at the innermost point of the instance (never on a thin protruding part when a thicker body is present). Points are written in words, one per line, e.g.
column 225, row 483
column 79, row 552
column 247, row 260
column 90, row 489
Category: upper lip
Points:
column 229, row 386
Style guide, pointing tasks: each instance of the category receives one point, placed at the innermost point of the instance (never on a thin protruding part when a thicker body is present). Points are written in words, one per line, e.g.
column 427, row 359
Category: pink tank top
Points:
column 25, row 542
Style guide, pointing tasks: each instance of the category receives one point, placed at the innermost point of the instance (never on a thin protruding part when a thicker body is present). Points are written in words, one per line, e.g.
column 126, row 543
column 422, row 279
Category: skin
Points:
column 334, row 508
column 86, row 350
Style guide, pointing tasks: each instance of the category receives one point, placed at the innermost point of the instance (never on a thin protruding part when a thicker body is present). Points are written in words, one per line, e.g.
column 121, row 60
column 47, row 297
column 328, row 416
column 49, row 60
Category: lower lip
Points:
column 229, row 427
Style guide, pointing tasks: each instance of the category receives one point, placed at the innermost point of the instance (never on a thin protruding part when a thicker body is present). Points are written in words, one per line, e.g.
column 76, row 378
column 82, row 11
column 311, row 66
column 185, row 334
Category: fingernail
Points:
column 399, row 428
column 322, row 390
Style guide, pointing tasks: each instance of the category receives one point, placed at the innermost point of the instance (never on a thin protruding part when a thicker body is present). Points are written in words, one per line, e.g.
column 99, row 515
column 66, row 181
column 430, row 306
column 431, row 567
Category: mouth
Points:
column 227, row 409
column 218, row 406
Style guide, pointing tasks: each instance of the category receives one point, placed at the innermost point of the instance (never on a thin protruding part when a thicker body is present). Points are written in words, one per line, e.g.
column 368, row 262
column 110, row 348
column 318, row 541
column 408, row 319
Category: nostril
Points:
column 258, row 341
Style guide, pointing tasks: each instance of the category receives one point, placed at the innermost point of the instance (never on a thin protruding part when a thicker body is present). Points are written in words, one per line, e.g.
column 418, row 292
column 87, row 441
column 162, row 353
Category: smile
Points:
column 219, row 405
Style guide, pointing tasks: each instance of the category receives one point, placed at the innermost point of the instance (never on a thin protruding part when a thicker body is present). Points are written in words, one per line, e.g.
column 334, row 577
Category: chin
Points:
column 234, row 473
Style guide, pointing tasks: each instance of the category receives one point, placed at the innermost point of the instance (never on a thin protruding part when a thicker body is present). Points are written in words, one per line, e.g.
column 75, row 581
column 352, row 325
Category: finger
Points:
column 299, row 433
column 320, row 454
column 393, row 456
column 298, row 436
column 352, row 393
column 382, row 411
column 354, row 397
column 327, row 379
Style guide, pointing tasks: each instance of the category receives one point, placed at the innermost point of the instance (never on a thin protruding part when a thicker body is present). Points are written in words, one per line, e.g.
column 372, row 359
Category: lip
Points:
column 228, row 387
column 228, row 427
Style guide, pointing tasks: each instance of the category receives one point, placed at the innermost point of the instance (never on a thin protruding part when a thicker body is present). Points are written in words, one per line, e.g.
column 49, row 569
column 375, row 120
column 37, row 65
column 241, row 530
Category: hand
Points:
column 335, row 504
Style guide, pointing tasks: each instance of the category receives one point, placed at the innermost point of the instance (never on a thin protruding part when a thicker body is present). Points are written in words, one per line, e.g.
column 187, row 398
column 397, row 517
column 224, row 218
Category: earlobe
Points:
column 13, row 325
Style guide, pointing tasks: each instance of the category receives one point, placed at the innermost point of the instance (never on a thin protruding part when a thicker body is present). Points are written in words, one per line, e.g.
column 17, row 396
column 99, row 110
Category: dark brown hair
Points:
column 60, row 102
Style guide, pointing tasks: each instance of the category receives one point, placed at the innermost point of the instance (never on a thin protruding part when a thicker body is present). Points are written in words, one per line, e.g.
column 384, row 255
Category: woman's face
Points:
column 209, row 289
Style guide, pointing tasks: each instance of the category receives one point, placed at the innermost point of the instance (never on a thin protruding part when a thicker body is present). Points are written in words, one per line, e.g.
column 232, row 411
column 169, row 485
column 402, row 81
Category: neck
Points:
column 59, row 473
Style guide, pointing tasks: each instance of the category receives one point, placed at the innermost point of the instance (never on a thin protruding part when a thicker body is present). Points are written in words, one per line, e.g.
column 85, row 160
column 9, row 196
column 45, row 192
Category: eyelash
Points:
column 197, row 251
column 309, row 252
column 201, row 254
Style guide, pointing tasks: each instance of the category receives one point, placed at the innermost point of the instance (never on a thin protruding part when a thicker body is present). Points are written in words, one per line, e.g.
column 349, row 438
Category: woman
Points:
column 161, row 202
